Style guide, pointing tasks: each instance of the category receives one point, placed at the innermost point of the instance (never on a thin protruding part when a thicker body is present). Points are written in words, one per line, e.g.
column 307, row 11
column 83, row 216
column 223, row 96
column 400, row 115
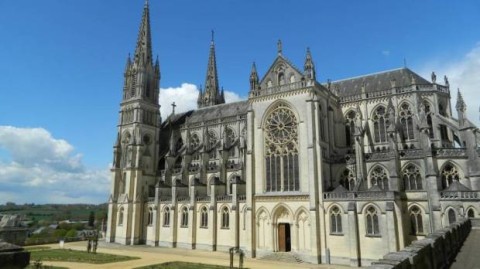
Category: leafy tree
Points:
column 71, row 233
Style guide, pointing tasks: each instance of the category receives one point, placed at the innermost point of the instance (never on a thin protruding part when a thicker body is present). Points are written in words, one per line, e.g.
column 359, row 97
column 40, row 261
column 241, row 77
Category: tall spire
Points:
column 143, row 51
column 309, row 67
column 211, row 95
column 253, row 78
column 460, row 106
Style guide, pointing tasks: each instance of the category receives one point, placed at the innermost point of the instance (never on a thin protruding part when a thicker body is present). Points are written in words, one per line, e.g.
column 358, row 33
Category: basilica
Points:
column 340, row 172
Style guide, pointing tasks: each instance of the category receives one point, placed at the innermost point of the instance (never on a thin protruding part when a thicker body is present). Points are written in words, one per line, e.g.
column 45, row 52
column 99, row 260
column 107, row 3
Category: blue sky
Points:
column 62, row 61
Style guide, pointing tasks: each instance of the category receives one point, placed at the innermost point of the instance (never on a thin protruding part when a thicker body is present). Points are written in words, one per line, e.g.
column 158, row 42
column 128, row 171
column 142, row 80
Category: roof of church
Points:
column 210, row 113
column 457, row 186
column 377, row 82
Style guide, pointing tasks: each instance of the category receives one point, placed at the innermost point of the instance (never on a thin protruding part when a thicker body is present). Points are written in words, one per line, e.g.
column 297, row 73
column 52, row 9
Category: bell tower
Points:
column 135, row 150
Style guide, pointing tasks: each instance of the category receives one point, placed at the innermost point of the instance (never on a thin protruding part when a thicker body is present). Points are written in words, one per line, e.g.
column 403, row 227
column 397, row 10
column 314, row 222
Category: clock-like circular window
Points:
column 281, row 125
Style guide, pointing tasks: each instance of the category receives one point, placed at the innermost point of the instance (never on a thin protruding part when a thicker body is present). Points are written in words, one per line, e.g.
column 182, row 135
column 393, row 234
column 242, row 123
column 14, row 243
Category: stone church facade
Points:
column 341, row 172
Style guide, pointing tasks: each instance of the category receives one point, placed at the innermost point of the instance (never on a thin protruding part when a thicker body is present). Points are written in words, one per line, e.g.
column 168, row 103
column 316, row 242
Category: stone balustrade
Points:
column 436, row 251
column 450, row 152
column 459, row 195
column 360, row 195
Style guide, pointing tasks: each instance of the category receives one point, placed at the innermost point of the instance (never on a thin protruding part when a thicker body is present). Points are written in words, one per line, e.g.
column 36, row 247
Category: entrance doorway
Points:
column 284, row 244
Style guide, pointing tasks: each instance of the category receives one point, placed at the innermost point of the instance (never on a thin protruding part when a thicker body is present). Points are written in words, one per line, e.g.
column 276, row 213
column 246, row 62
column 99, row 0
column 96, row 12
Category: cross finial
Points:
column 173, row 107
column 146, row 3
column 279, row 47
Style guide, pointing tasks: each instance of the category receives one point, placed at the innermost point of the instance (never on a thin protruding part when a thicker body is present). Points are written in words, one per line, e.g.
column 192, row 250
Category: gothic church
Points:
column 341, row 172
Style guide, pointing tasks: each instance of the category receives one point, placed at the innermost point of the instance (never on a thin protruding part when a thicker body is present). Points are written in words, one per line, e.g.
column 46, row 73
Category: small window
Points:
column 204, row 217
column 373, row 228
column 225, row 218
column 335, row 221
column 120, row 217
column 150, row 216
column 184, row 222
column 166, row 217
column 471, row 213
column 452, row 218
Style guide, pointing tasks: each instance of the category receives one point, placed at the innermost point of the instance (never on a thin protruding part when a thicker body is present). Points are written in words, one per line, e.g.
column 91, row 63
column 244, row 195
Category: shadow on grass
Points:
column 68, row 255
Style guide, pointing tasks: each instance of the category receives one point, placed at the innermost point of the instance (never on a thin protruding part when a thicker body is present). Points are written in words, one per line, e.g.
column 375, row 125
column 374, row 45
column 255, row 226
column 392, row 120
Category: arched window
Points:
column 379, row 126
column 350, row 127
column 416, row 221
column 212, row 141
column 452, row 216
column 411, row 178
column 429, row 113
column 406, row 120
column 184, row 217
column 281, row 145
column 335, row 221
column 166, row 217
column 373, row 227
column 225, row 218
column 449, row 174
column 379, row 177
column 347, row 179
column 204, row 217
column 281, row 79
column 150, row 216
column 120, row 217
column 471, row 213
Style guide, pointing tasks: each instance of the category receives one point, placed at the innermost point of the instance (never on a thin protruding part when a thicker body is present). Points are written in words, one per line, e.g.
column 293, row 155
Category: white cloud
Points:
column 43, row 169
column 185, row 98
column 464, row 74
column 385, row 52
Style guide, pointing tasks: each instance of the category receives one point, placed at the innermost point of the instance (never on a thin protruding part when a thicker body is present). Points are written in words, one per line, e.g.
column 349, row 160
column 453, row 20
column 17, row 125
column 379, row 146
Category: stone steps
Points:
column 288, row 257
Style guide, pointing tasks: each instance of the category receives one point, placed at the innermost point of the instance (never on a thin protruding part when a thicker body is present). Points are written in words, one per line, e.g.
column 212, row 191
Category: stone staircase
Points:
column 288, row 257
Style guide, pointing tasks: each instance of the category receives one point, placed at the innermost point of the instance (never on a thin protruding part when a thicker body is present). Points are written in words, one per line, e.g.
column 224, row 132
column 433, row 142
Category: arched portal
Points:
column 283, row 220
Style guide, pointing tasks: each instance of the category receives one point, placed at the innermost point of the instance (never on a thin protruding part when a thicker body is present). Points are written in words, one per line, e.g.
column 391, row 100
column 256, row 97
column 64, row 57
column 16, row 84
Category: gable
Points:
column 281, row 72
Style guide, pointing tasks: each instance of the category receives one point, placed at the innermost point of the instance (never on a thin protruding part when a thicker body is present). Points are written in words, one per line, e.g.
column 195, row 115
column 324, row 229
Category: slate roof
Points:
column 209, row 113
column 457, row 186
column 377, row 82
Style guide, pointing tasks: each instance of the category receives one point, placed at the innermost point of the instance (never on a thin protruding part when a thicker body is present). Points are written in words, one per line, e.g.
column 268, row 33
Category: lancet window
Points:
column 194, row 142
column 350, row 127
column 379, row 177
column 416, row 221
column 335, row 221
column 406, row 120
column 412, row 180
column 373, row 227
column 379, row 125
column 347, row 179
column 281, row 147
column 449, row 174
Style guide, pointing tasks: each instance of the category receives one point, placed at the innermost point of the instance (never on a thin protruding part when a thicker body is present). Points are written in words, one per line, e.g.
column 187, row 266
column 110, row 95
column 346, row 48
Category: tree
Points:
column 91, row 219
column 71, row 233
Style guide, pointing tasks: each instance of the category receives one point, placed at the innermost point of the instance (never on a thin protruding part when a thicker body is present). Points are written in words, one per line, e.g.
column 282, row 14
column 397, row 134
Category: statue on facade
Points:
column 434, row 78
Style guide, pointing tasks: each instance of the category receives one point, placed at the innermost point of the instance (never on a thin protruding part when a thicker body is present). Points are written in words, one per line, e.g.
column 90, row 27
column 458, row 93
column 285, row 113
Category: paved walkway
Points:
column 154, row 255
column 468, row 257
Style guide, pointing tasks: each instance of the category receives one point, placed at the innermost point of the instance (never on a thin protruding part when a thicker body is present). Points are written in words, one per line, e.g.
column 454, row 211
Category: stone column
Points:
column 353, row 235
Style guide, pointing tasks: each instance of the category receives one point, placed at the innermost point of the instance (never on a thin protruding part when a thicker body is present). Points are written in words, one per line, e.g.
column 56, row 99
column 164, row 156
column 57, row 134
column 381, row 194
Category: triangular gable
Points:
column 280, row 66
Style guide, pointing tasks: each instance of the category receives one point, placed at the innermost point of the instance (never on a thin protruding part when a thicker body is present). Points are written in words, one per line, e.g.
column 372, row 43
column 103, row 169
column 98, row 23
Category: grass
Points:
column 183, row 265
column 68, row 255
column 35, row 248
column 31, row 266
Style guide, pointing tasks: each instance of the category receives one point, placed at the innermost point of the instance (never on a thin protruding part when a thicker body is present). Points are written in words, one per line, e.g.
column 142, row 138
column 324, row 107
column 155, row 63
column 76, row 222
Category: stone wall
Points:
column 436, row 251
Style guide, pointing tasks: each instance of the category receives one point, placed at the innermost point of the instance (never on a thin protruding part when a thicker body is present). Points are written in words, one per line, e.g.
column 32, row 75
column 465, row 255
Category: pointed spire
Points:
column 253, row 78
column 309, row 67
column 211, row 95
column 143, row 51
column 460, row 106
column 129, row 63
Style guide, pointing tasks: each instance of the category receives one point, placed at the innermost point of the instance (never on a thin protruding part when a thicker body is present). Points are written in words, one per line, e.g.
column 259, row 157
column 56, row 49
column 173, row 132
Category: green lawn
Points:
column 45, row 267
column 68, row 255
column 183, row 265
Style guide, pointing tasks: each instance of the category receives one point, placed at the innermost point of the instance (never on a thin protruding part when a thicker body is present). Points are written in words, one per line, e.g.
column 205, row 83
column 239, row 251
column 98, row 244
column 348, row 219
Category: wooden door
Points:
column 282, row 242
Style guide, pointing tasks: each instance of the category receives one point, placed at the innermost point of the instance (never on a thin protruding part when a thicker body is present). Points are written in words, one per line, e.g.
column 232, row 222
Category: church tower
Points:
column 135, row 151
column 211, row 96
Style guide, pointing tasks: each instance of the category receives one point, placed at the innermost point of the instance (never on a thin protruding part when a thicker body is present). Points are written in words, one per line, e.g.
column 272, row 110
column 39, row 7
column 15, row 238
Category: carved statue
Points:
column 446, row 81
column 391, row 119
column 434, row 77
column 358, row 122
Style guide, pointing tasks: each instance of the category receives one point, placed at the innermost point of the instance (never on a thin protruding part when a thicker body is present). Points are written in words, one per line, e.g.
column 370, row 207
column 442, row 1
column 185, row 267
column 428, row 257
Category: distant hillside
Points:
column 52, row 213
